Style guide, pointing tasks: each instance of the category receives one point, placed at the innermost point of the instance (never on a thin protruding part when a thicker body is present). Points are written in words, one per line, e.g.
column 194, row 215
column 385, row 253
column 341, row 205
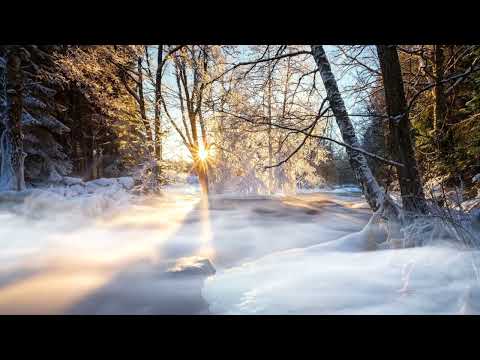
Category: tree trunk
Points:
column 85, row 158
column 94, row 155
column 143, row 112
column 158, row 87
column 100, row 162
column 358, row 162
column 12, row 167
column 269, row 133
column 443, row 138
column 440, row 104
column 3, row 92
column 202, row 173
column 413, row 198
column 94, row 165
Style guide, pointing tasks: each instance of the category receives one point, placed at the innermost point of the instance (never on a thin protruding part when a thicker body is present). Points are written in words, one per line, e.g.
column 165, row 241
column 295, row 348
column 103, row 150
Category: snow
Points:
column 103, row 182
column 71, row 186
column 343, row 276
column 66, row 250
column 471, row 204
column 111, row 251
column 126, row 182
column 44, row 120
column 338, row 277
column 67, row 180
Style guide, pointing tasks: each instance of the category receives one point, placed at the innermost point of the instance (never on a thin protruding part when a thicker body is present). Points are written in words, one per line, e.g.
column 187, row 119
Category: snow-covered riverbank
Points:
column 333, row 279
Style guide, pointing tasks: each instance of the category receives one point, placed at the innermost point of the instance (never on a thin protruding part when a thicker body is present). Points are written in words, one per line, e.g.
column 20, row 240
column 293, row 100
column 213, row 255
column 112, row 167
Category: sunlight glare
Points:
column 203, row 154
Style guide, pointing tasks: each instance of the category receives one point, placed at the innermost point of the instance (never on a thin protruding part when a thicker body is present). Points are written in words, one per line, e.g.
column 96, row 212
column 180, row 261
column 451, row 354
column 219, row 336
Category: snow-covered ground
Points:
column 325, row 280
column 102, row 250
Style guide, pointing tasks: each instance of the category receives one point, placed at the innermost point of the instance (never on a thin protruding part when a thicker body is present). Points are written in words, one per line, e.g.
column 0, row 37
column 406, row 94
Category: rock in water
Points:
column 192, row 266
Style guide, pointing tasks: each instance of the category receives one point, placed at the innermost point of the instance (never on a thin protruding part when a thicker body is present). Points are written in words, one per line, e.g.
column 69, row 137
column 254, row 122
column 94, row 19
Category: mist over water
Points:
column 113, row 253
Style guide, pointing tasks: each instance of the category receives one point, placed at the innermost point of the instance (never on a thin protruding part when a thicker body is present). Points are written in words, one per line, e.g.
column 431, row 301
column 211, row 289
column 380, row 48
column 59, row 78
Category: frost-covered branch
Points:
column 321, row 137
column 258, row 61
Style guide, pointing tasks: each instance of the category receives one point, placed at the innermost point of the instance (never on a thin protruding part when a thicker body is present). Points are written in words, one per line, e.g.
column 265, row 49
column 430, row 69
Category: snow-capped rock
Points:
column 67, row 180
column 77, row 189
column 54, row 177
column 471, row 204
column 91, row 187
column 127, row 182
column 103, row 182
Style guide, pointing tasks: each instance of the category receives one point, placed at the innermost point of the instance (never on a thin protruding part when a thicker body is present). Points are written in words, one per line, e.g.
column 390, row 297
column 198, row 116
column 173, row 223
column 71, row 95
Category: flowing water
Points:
column 119, row 254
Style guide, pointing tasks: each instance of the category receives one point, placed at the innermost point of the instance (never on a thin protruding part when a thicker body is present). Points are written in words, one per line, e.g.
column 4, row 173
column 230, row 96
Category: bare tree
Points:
column 158, row 88
column 191, row 70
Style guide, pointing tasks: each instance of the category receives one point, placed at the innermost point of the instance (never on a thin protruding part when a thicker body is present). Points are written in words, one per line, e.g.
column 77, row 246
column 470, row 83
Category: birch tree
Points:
column 372, row 191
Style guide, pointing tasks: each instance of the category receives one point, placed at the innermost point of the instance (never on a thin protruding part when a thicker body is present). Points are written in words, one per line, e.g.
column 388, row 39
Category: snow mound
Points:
column 72, row 202
column 103, row 182
column 67, row 180
column 127, row 182
column 339, row 278
column 71, row 198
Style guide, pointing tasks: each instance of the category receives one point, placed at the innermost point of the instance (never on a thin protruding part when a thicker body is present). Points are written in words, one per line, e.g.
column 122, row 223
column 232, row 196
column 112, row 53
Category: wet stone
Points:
column 192, row 266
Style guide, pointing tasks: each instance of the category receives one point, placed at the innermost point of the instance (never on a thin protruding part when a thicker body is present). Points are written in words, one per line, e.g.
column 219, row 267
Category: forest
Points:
column 240, row 179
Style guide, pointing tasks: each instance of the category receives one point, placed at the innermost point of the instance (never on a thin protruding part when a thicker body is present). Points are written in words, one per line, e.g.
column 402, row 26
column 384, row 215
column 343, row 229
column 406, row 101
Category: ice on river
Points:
column 109, row 252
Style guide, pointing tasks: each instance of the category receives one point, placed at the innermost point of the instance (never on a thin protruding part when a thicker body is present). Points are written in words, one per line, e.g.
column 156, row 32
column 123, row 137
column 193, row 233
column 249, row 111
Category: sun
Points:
column 203, row 154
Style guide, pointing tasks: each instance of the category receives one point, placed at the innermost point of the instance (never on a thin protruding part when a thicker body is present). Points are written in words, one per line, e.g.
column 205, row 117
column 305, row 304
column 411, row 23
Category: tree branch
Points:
column 364, row 152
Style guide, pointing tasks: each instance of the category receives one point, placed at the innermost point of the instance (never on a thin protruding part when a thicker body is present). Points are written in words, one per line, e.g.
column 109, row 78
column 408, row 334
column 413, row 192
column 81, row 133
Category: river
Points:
column 151, row 255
